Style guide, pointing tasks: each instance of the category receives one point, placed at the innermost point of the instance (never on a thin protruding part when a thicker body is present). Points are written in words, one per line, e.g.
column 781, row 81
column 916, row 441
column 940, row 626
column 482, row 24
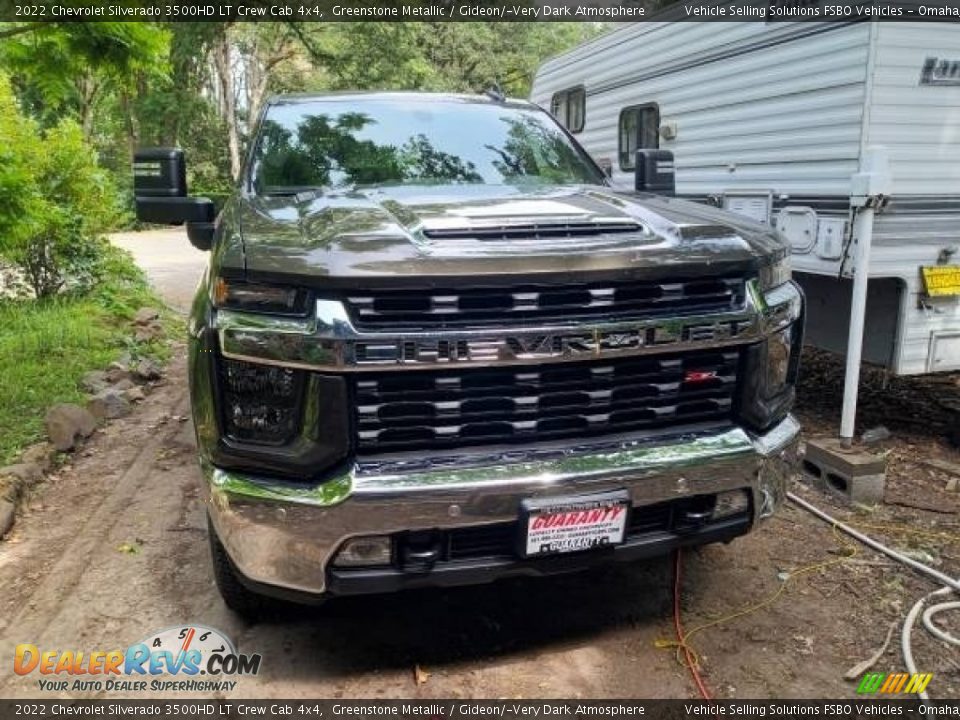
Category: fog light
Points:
column 364, row 552
column 732, row 502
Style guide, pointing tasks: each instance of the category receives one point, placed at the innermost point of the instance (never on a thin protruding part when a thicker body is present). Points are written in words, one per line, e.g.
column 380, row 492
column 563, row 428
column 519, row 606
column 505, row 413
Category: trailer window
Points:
column 639, row 130
column 569, row 107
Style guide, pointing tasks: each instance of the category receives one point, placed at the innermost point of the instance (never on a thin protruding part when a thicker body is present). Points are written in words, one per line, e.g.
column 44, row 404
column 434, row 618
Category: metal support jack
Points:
column 869, row 190
column 833, row 463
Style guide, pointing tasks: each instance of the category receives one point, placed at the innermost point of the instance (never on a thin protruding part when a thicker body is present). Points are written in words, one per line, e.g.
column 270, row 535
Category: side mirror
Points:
column 160, row 190
column 654, row 172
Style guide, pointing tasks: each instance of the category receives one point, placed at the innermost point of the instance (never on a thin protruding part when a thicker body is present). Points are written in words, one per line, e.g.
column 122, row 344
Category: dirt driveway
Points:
column 113, row 548
column 173, row 264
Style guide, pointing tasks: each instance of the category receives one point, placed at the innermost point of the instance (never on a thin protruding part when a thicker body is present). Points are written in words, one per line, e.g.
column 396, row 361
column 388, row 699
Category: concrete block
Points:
column 856, row 475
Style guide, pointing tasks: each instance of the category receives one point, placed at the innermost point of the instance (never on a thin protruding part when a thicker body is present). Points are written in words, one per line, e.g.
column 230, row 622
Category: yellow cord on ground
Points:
column 850, row 550
column 941, row 535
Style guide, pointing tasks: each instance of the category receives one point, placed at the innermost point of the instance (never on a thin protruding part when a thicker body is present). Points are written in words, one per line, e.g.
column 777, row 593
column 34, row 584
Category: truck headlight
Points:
column 260, row 404
column 768, row 376
column 256, row 297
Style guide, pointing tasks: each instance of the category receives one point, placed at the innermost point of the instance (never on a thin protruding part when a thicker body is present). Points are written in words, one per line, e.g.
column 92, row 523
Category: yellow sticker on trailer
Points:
column 941, row 280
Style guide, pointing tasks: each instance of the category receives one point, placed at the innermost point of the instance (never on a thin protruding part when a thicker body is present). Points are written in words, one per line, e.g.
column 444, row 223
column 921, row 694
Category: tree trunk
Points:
column 228, row 104
column 262, row 60
column 258, row 81
column 87, row 90
column 130, row 122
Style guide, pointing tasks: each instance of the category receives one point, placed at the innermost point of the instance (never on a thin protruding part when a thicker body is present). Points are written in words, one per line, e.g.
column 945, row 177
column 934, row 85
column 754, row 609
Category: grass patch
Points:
column 47, row 346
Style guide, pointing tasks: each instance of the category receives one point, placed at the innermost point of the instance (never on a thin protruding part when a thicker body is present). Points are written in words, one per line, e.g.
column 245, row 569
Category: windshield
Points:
column 338, row 144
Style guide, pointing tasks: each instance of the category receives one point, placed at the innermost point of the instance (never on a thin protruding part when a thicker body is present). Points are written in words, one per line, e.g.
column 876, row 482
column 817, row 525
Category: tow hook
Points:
column 420, row 552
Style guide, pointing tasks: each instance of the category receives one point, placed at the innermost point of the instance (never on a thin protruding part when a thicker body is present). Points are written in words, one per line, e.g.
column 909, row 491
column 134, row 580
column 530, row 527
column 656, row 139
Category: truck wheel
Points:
column 246, row 603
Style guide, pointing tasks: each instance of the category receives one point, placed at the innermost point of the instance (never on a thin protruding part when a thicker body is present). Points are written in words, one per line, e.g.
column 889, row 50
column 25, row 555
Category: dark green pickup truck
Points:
column 434, row 346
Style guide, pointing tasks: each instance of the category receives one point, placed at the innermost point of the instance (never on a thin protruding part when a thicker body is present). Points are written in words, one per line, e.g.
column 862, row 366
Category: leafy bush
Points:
column 55, row 201
column 47, row 345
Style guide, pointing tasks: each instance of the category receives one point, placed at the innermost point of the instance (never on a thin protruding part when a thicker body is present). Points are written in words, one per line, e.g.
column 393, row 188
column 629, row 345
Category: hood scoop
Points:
column 533, row 230
column 524, row 236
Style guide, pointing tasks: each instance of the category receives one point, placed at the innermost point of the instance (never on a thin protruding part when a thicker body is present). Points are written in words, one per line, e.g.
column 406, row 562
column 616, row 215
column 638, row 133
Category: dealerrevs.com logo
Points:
column 191, row 658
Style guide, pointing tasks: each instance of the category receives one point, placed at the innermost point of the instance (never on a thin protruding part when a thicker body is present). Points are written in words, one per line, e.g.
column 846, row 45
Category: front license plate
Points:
column 581, row 522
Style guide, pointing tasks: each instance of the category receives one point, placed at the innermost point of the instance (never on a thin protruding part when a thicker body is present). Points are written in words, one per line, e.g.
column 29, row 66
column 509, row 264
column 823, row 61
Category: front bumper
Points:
column 283, row 538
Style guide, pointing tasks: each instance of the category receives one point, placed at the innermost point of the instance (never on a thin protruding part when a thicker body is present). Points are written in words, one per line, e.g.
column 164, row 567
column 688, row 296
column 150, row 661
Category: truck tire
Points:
column 243, row 601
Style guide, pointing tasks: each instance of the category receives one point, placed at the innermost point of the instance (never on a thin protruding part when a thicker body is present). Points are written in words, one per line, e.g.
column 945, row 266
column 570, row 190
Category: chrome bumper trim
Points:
column 634, row 459
column 285, row 535
column 327, row 341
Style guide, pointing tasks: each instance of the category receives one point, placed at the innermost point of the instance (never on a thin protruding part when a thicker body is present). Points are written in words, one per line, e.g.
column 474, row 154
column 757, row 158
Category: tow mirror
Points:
column 655, row 173
column 160, row 190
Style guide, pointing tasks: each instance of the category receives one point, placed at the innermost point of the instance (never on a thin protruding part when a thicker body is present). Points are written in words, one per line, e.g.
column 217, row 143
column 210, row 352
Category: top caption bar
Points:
column 471, row 710
column 474, row 10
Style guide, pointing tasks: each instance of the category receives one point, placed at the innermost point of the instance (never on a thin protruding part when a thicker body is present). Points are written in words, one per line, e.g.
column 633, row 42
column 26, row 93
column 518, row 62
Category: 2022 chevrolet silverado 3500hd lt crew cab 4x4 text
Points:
column 434, row 346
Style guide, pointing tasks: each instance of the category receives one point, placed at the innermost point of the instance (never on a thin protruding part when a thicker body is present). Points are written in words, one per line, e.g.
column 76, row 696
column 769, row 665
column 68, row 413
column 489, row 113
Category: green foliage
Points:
column 204, row 140
column 46, row 346
column 90, row 72
column 66, row 69
column 55, row 202
column 176, row 109
column 441, row 56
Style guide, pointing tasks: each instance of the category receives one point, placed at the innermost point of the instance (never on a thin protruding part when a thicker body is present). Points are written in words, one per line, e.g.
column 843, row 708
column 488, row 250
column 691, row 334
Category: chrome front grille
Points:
column 452, row 409
column 423, row 309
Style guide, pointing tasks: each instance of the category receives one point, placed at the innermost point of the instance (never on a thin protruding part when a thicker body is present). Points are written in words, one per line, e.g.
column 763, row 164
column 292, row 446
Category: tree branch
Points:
column 29, row 27
column 317, row 55
column 274, row 61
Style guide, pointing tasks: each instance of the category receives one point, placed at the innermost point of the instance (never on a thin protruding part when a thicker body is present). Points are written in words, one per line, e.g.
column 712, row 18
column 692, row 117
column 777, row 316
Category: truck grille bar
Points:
column 492, row 306
column 451, row 409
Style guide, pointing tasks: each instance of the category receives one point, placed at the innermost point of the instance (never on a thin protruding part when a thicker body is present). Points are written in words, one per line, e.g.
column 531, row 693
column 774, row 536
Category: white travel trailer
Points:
column 773, row 120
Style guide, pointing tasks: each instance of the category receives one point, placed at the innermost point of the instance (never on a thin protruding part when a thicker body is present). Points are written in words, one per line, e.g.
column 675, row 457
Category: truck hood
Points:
column 422, row 234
